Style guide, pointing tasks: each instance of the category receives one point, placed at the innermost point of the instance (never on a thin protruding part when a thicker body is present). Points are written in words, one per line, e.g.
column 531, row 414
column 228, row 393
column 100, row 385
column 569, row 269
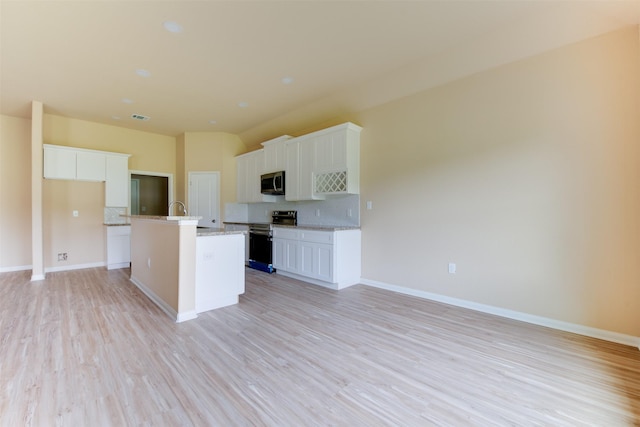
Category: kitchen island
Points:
column 184, row 269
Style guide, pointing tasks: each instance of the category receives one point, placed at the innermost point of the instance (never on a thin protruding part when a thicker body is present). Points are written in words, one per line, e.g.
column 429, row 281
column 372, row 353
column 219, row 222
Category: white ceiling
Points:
column 80, row 57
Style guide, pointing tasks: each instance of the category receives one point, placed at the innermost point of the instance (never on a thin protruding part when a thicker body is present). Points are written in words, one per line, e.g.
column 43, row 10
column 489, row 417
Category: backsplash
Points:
column 112, row 215
column 339, row 211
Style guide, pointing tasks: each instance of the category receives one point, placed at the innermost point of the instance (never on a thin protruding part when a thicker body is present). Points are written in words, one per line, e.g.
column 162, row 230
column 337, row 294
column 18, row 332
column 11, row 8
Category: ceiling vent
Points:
column 140, row 117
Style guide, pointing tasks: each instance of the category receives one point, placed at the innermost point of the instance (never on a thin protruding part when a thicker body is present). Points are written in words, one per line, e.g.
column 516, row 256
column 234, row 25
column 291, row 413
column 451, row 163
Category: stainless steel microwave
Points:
column 272, row 183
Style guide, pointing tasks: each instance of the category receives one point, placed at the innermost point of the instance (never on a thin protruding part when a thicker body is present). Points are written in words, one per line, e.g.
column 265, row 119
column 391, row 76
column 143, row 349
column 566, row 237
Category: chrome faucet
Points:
column 179, row 203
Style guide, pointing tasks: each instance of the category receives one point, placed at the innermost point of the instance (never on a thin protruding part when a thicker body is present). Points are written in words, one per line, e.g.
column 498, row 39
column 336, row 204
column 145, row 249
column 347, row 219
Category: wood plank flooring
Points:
column 86, row 348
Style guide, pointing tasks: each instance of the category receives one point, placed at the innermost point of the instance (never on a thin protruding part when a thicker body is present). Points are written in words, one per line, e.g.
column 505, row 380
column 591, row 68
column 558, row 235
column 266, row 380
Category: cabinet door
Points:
column 274, row 157
column 324, row 261
column 292, row 175
column 279, row 247
column 255, row 166
column 307, row 155
column 59, row 163
column 90, row 166
column 242, row 171
column 316, row 261
column 118, row 246
column 117, row 181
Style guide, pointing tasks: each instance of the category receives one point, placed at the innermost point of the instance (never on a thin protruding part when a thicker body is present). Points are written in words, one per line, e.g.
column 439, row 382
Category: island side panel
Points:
column 155, row 251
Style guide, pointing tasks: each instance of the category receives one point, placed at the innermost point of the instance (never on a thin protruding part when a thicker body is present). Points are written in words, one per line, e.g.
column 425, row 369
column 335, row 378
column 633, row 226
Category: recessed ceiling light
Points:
column 115, row 117
column 287, row 80
column 213, row 122
column 243, row 104
column 127, row 100
column 172, row 27
column 143, row 73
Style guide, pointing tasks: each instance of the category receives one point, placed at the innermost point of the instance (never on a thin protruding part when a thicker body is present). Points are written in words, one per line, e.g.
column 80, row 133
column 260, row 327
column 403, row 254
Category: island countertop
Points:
column 206, row 231
column 164, row 218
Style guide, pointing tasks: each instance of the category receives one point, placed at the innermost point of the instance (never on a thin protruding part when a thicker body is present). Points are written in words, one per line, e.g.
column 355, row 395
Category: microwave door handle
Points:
column 274, row 184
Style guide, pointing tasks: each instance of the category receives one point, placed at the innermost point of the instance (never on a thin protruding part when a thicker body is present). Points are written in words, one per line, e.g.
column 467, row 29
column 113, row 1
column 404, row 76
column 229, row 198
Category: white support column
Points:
column 37, row 246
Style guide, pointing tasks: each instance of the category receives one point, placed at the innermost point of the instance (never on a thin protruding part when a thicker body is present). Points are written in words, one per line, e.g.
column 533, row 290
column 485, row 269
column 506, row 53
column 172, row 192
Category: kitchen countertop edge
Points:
column 304, row 226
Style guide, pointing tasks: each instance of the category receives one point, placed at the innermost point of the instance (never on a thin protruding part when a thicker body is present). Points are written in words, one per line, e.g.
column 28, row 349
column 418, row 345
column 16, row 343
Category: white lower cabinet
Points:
column 219, row 271
column 118, row 246
column 241, row 227
column 327, row 258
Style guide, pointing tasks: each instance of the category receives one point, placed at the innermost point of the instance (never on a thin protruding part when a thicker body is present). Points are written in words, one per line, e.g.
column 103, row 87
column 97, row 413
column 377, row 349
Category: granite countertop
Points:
column 304, row 226
column 165, row 218
column 215, row 232
column 320, row 227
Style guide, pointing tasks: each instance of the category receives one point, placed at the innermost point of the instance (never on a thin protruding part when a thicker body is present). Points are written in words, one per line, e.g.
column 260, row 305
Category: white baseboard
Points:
column 73, row 267
column 511, row 314
column 15, row 268
column 52, row 269
column 178, row 317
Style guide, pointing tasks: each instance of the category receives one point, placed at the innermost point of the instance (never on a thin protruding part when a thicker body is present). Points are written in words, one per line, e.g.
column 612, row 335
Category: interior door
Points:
column 204, row 198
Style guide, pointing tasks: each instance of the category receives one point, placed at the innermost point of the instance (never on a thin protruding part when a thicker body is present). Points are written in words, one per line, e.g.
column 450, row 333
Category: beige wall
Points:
column 15, row 192
column 164, row 262
column 526, row 176
column 214, row 151
column 149, row 151
column 81, row 237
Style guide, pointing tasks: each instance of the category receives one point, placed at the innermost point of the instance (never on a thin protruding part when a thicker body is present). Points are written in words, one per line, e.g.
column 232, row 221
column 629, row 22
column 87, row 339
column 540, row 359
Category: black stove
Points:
column 261, row 239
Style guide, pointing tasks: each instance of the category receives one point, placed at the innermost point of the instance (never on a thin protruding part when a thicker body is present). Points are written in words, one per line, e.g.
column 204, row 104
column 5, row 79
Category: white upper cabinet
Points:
column 73, row 163
column 299, row 171
column 249, row 168
column 90, row 166
column 324, row 163
column 59, row 162
column 116, row 190
column 81, row 164
column 275, row 158
column 337, row 160
column 316, row 165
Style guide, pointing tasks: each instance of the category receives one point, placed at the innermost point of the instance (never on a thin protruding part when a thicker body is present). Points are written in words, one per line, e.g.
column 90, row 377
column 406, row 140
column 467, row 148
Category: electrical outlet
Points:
column 62, row 256
column 76, row 213
column 452, row 268
column 369, row 205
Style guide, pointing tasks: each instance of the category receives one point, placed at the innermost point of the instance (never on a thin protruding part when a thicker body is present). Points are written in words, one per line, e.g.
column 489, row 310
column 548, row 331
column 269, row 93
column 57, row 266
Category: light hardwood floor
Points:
column 86, row 348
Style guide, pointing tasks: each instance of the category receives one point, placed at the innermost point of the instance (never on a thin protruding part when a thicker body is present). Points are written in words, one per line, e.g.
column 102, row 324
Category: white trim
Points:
column 37, row 277
column 16, row 268
column 310, row 280
column 511, row 314
column 118, row 265
column 74, row 267
column 179, row 317
column 187, row 315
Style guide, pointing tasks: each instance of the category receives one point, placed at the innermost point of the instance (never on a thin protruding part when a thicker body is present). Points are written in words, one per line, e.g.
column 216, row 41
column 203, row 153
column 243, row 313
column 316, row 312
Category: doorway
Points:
column 150, row 193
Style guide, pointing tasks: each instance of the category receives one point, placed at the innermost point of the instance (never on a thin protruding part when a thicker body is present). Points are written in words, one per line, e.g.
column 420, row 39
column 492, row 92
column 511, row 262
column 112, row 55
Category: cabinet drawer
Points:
column 285, row 233
column 316, row 236
column 119, row 230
